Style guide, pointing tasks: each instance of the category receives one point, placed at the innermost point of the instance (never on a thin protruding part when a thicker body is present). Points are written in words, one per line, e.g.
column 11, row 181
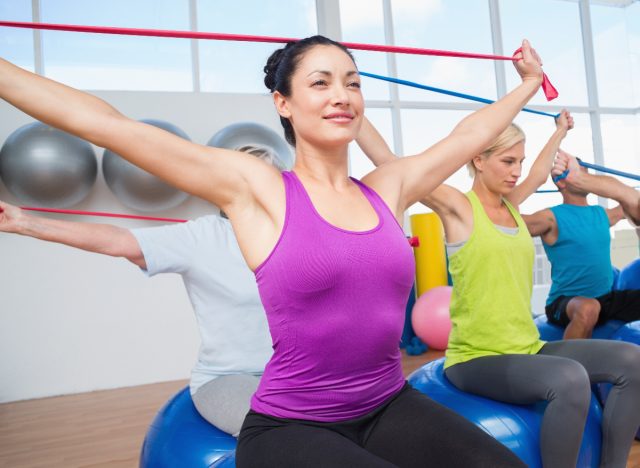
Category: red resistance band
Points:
column 102, row 213
column 549, row 91
column 413, row 241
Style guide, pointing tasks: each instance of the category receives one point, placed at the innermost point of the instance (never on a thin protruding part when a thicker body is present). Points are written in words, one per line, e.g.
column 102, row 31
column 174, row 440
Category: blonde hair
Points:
column 511, row 136
column 263, row 152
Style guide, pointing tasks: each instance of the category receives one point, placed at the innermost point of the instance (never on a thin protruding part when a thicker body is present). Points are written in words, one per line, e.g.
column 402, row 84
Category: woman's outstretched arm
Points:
column 418, row 175
column 543, row 164
column 217, row 175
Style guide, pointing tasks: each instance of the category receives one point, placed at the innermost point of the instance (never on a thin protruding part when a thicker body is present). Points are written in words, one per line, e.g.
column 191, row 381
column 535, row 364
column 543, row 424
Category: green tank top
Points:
column 492, row 283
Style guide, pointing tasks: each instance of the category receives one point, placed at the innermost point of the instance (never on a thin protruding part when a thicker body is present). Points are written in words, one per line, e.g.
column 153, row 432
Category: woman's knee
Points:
column 570, row 385
column 627, row 358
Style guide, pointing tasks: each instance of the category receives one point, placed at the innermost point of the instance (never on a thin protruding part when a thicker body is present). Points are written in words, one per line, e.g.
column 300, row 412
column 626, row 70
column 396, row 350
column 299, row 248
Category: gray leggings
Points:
column 562, row 373
column 224, row 401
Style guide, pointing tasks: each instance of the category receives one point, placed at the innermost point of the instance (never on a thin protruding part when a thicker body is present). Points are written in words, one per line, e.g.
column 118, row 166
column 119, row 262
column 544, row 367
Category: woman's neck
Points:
column 488, row 198
column 322, row 165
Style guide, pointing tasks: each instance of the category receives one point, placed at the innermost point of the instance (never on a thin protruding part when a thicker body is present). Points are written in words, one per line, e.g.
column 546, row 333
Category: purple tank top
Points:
column 335, row 301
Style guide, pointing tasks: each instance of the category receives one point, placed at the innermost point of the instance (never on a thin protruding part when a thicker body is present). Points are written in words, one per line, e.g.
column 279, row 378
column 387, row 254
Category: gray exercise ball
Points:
column 41, row 165
column 137, row 188
column 240, row 134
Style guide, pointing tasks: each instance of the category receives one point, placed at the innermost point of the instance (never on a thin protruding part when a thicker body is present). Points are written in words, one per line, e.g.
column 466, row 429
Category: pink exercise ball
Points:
column 430, row 317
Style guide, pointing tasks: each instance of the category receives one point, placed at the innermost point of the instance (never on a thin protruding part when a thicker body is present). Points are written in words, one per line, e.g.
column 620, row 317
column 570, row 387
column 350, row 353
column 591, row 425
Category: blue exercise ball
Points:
column 240, row 134
column 43, row 166
column 515, row 426
column 551, row 332
column 137, row 188
column 180, row 437
column 630, row 333
column 629, row 277
column 616, row 275
column 226, row 461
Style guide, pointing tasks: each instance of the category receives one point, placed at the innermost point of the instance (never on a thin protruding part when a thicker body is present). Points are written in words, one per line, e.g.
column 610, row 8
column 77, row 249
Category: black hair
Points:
column 283, row 63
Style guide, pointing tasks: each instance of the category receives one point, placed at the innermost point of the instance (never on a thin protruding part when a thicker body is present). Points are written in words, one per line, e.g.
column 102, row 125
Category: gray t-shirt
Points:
column 222, row 290
column 453, row 247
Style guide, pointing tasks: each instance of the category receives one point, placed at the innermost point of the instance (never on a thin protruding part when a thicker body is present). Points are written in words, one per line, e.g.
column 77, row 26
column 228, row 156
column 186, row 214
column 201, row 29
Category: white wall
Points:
column 72, row 321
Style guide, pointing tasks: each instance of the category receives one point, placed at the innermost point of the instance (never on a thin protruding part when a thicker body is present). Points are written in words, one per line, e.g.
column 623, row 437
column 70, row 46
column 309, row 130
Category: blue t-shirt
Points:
column 581, row 257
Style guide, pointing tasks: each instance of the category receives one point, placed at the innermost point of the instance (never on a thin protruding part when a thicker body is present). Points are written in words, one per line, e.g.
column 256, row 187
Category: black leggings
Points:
column 562, row 373
column 409, row 430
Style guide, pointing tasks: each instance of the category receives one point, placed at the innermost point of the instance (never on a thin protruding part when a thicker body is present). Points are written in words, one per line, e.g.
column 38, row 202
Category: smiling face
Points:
column 325, row 105
column 500, row 171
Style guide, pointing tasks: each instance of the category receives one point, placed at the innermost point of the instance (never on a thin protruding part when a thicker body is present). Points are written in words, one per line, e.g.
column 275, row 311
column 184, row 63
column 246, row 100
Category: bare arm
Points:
column 217, row 175
column 604, row 186
column 542, row 223
column 99, row 238
column 418, row 175
column 544, row 162
column 615, row 215
column 373, row 145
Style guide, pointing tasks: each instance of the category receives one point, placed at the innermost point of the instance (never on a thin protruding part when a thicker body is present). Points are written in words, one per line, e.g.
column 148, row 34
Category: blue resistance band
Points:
column 444, row 91
column 489, row 101
column 628, row 175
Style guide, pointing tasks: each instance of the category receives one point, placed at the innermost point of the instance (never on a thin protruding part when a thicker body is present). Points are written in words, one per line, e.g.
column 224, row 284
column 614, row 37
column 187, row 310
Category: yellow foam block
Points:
column 431, row 262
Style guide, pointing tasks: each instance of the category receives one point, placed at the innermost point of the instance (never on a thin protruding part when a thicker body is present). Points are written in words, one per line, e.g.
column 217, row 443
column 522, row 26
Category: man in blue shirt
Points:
column 576, row 238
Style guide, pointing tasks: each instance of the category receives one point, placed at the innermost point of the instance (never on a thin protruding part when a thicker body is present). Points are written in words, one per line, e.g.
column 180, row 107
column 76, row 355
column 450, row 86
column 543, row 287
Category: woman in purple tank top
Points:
column 331, row 260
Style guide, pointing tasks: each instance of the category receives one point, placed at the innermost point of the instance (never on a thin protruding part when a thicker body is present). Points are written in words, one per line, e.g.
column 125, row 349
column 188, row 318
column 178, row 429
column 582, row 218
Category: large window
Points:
column 553, row 28
column 97, row 61
column 616, row 37
column 16, row 45
column 237, row 66
column 462, row 25
column 621, row 142
column 363, row 21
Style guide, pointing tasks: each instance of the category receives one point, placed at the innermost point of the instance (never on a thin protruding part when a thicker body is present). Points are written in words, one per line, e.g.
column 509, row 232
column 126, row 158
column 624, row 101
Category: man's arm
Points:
column 542, row 223
column 615, row 215
column 99, row 238
column 604, row 186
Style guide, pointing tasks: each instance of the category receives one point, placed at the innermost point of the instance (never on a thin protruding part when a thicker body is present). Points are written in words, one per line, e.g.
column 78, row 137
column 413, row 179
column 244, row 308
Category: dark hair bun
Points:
column 271, row 68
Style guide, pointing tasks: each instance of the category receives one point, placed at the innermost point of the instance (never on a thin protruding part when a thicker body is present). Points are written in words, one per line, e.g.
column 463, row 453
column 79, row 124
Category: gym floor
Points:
column 105, row 429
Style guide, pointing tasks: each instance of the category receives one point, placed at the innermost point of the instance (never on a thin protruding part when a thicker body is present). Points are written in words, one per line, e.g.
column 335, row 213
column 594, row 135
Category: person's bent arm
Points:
column 418, row 175
column 99, row 238
column 615, row 215
column 373, row 145
column 602, row 185
column 541, row 167
column 542, row 223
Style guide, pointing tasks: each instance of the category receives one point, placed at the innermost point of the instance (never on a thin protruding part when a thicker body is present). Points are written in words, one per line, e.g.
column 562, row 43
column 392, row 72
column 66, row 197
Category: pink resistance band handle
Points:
column 550, row 92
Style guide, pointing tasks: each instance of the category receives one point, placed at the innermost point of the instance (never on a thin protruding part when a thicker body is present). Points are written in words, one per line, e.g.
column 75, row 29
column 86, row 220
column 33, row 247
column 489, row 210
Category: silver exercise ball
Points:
column 137, row 188
column 241, row 134
column 43, row 166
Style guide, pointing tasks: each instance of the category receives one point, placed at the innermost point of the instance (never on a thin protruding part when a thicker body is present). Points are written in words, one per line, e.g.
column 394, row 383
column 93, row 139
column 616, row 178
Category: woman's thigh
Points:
column 267, row 442
column 415, row 431
column 519, row 378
